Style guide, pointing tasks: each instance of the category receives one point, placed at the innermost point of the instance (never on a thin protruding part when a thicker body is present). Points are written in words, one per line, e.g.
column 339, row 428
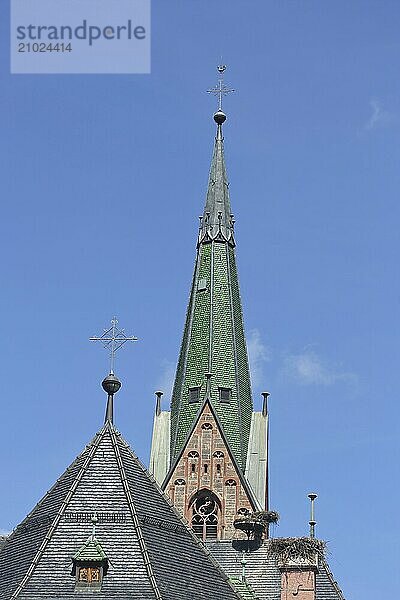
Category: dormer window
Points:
column 225, row 394
column 194, row 394
column 90, row 564
column 89, row 574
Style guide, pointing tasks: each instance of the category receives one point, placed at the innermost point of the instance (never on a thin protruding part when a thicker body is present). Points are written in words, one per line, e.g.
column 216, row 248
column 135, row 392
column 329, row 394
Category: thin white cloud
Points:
column 307, row 368
column 166, row 381
column 379, row 116
column 258, row 355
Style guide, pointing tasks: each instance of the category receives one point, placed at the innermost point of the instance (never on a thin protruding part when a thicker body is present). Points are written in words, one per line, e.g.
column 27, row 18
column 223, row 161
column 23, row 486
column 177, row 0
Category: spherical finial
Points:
column 221, row 68
column 219, row 117
column 111, row 384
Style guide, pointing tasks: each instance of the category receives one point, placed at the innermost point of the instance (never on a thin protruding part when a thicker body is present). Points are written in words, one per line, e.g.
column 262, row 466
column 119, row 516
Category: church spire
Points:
column 213, row 340
column 217, row 221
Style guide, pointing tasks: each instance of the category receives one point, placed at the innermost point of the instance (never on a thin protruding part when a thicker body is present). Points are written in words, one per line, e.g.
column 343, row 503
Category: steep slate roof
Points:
column 213, row 339
column 262, row 572
column 151, row 553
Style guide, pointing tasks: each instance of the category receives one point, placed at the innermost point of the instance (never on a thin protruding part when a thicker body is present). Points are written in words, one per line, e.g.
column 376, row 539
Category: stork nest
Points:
column 266, row 516
column 303, row 548
column 262, row 517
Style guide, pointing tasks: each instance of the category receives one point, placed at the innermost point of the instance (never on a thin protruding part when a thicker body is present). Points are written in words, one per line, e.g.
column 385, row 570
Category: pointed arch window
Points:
column 206, row 514
column 230, row 483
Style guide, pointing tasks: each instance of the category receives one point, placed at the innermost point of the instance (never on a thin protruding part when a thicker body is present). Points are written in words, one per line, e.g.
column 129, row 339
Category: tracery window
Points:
column 206, row 426
column 193, row 454
column 218, row 454
column 230, row 483
column 180, row 481
column 243, row 511
column 205, row 515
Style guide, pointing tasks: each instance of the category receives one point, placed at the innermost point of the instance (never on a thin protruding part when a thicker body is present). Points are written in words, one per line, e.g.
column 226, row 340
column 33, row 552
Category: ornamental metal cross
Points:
column 113, row 338
column 221, row 89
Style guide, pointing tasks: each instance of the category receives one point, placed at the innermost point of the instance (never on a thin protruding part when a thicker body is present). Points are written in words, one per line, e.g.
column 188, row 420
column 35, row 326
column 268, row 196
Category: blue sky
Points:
column 103, row 178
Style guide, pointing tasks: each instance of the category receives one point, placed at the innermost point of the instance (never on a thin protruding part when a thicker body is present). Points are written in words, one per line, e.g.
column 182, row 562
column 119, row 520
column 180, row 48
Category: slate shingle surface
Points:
column 263, row 574
column 152, row 555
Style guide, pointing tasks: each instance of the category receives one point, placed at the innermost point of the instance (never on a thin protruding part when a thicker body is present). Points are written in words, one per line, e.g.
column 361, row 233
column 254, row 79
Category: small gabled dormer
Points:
column 90, row 565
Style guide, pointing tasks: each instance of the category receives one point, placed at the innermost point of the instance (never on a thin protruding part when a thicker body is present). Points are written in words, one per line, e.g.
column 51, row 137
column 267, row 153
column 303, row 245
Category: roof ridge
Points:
column 331, row 578
column 184, row 350
column 235, row 354
column 43, row 498
column 94, row 445
column 135, row 519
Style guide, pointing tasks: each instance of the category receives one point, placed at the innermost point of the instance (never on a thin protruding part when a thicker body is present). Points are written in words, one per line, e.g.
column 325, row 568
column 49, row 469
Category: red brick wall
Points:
column 211, row 471
column 299, row 584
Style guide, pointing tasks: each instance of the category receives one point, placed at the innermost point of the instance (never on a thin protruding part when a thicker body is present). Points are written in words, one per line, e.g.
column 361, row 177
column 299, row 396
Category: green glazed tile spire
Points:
column 213, row 339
